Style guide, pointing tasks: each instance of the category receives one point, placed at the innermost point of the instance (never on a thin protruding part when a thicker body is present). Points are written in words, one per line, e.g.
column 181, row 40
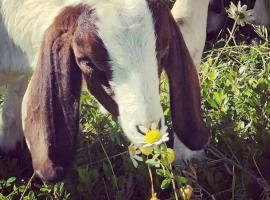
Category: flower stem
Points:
column 173, row 183
column 227, row 42
column 151, row 179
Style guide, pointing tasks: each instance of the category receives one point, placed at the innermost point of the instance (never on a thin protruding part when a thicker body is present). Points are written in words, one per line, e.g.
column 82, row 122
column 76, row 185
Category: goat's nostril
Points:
column 159, row 124
column 139, row 130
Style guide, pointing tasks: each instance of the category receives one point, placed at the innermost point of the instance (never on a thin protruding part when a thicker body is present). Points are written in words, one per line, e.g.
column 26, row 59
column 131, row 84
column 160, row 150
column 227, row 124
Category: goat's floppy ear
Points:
column 51, row 115
column 184, row 93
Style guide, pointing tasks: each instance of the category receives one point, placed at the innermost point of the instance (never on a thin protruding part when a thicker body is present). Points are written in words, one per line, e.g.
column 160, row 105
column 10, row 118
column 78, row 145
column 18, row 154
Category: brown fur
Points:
column 183, row 80
column 52, row 119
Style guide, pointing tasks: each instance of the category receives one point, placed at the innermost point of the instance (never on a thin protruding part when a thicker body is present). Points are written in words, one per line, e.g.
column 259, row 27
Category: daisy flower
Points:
column 240, row 13
column 154, row 137
column 134, row 153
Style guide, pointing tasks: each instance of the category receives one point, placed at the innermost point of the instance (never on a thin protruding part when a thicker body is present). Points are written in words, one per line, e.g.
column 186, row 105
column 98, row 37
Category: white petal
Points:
column 239, row 6
column 138, row 158
column 244, row 8
column 148, row 145
column 138, row 152
column 158, row 142
column 163, row 129
column 166, row 139
column 135, row 163
column 242, row 22
column 165, row 135
column 233, row 6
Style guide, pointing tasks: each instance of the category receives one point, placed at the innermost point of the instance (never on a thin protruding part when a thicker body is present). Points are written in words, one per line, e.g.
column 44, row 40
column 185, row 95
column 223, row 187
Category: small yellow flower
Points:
column 146, row 151
column 132, row 150
column 186, row 192
column 171, row 155
column 134, row 153
column 152, row 136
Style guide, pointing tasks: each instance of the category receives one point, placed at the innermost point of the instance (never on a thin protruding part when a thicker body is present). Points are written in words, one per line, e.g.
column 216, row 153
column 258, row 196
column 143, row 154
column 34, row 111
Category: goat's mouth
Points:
column 149, row 134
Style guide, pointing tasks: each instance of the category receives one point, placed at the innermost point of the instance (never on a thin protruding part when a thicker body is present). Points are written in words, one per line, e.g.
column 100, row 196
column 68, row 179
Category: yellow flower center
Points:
column 132, row 150
column 146, row 151
column 152, row 136
column 171, row 155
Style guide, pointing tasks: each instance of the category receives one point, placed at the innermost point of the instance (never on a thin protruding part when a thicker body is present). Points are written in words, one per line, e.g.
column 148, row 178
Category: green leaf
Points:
column 181, row 180
column 213, row 103
column 163, row 173
column 10, row 181
column 165, row 183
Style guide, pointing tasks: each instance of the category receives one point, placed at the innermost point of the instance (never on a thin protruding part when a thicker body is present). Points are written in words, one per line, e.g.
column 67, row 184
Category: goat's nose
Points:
column 51, row 173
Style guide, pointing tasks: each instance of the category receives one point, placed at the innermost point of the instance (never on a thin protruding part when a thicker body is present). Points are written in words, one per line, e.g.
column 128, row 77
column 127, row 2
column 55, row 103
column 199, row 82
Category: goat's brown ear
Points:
column 184, row 93
column 52, row 101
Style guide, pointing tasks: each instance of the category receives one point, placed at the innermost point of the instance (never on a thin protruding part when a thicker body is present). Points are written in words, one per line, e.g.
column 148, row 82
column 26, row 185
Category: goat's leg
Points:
column 11, row 132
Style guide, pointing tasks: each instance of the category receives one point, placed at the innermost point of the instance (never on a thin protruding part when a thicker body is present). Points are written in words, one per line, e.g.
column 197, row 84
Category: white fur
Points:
column 130, row 40
column 193, row 14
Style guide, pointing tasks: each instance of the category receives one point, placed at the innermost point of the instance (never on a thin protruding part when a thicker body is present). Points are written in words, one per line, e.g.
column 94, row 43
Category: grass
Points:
column 235, row 87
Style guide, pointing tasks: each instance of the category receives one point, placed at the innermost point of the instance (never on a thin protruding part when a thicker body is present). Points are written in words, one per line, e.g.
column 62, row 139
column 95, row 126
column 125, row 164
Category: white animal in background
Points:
column 261, row 12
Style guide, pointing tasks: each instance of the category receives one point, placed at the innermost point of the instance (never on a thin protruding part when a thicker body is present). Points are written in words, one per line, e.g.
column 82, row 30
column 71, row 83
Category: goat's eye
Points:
column 86, row 63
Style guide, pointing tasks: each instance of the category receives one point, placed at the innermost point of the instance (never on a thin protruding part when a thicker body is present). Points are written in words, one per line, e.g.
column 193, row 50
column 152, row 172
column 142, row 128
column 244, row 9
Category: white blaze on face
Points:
column 127, row 30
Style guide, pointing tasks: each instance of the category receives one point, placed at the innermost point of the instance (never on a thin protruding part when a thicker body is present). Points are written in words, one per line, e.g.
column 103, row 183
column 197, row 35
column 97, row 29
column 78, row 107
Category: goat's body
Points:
column 262, row 12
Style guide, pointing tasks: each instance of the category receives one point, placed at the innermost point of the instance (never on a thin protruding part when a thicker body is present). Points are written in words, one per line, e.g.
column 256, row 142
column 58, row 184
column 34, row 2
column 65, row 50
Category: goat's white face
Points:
column 131, row 44
column 137, row 95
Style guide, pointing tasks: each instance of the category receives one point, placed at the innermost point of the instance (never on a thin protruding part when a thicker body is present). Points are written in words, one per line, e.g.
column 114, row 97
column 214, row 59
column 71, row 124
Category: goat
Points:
column 119, row 47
